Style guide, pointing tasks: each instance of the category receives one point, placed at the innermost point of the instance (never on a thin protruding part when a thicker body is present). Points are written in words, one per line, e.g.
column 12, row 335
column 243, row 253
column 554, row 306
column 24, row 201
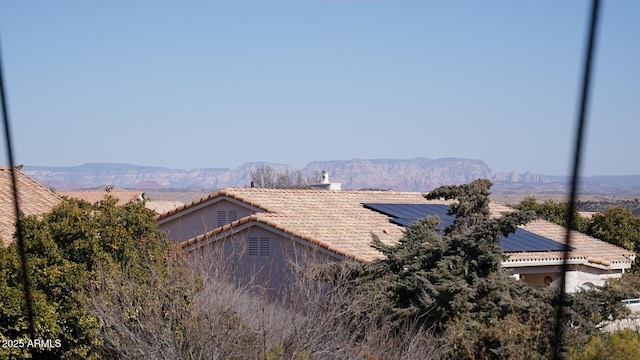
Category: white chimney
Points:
column 325, row 177
column 325, row 184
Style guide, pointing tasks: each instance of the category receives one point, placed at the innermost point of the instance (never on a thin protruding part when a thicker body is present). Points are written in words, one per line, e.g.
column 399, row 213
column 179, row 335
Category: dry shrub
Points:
column 310, row 319
column 141, row 318
column 205, row 311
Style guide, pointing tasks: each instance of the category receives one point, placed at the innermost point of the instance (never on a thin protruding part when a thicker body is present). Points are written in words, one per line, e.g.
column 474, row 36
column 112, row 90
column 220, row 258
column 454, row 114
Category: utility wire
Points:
column 16, row 204
column 582, row 114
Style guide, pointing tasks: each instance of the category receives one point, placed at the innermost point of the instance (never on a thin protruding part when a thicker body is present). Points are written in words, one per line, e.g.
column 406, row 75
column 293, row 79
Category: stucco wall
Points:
column 584, row 276
column 268, row 272
column 577, row 276
column 200, row 221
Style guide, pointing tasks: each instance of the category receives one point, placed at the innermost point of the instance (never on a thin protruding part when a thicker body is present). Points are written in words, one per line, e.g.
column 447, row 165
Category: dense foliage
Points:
column 451, row 280
column 555, row 212
column 618, row 226
column 69, row 251
column 623, row 345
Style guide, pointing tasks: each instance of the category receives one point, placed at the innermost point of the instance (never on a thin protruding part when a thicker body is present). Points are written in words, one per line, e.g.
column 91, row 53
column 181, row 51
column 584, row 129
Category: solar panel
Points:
column 523, row 240
column 406, row 214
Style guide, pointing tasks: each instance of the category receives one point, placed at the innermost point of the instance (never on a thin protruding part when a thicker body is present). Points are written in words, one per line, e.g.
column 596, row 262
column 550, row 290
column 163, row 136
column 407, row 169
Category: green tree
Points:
column 451, row 280
column 624, row 345
column 555, row 212
column 617, row 225
column 68, row 251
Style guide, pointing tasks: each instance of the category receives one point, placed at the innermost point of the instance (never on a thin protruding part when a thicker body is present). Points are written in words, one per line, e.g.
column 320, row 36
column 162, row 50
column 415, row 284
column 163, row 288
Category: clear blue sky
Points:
column 219, row 83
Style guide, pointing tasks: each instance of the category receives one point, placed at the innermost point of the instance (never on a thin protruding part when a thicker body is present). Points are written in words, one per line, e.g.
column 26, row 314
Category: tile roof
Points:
column 334, row 220
column 162, row 206
column 588, row 250
column 337, row 221
column 33, row 199
column 93, row 196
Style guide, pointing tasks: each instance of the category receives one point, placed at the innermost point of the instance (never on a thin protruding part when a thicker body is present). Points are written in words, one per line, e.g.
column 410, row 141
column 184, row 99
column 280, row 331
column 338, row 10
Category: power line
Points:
column 584, row 101
column 16, row 205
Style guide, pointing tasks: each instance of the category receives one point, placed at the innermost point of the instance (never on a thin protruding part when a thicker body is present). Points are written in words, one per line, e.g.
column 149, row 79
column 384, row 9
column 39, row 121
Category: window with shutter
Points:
column 222, row 218
column 233, row 216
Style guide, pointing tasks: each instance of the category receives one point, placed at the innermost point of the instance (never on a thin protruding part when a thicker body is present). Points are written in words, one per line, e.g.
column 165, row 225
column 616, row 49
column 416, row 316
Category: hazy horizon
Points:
column 298, row 168
column 218, row 84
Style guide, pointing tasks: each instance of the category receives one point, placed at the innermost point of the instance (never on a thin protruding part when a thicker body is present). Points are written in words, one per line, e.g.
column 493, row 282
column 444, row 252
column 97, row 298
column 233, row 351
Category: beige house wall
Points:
column 201, row 220
column 582, row 276
column 577, row 276
column 266, row 271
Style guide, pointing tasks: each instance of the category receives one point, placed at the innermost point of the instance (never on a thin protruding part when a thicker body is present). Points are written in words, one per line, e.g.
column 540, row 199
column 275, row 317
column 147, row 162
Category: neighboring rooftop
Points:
column 123, row 197
column 94, row 196
column 162, row 206
column 34, row 199
column 587, row 250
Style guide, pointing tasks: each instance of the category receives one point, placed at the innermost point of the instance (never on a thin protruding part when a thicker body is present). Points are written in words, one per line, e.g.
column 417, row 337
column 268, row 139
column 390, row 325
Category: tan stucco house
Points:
column 265, row 228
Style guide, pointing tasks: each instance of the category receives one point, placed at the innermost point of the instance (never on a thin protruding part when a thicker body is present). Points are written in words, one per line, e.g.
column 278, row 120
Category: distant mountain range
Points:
column 420, row 174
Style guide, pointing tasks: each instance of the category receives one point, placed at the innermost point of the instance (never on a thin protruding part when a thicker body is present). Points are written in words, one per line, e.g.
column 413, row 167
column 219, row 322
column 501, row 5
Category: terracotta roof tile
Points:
column 337, row 221
column 34, row 199
column 93, row 196
column 162, row 206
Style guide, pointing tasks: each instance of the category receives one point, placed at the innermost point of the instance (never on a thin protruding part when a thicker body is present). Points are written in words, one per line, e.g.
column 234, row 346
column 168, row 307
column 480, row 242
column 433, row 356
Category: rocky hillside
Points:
column 419, row 174
column 411, row 175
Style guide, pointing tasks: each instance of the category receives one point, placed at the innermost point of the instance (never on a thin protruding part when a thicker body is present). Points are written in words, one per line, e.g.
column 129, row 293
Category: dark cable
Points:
column 19, row 239
column 584, row 100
